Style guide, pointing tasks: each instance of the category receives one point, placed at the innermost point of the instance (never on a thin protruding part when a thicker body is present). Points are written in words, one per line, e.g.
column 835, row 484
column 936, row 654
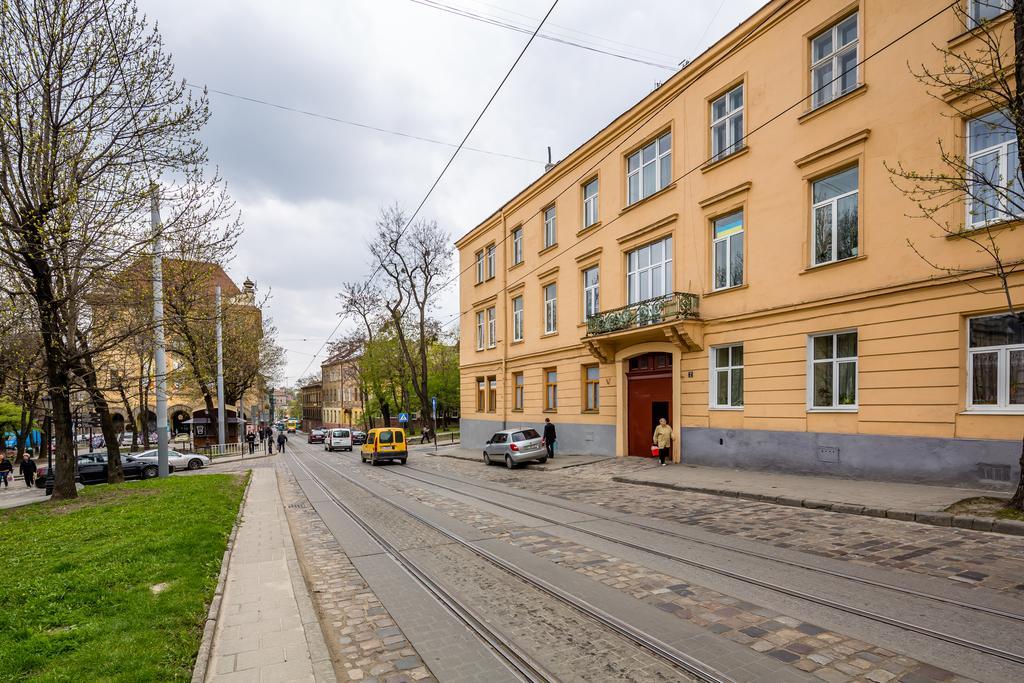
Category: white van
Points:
column 338, row 440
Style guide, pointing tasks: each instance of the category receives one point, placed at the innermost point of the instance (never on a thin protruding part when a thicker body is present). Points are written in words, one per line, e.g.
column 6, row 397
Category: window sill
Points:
column 1008, row 224
column 965, row 36
column 831, row 264
column 808, row 115
column 648, row 198
column 592, row 226
column 992, row 411
column 835, row 409
column 517, row 341
column 718, row 162
column 489, row 278
column 734, row 409
column 549, row 334
column 724, row 290
column 550, row 247
column 516, row 410
column 516, row 265
column 590, row 412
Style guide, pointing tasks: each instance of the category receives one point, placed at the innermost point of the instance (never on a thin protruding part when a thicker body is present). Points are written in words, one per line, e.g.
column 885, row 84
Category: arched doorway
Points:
column 179, row 414
column 118, row 421
column 648, row 398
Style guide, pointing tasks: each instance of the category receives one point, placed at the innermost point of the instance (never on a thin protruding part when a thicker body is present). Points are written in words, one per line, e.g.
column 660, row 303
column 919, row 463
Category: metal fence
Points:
column 220, row 450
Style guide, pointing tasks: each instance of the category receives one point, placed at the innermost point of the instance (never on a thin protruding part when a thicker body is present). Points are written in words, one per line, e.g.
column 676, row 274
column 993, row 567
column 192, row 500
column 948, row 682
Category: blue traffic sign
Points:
column 403, row 417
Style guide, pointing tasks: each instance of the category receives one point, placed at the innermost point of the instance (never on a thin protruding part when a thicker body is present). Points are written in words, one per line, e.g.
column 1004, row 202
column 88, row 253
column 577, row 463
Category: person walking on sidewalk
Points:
column 270, row 442
column 281, row 441
column 663, row 440
column 5, row 469
column 28, row 469
column 251, row 438
column 549, row 437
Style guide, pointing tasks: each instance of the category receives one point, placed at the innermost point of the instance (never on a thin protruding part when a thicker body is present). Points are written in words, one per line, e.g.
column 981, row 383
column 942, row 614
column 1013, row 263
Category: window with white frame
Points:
column 591, row 293
column 994, row 178
column 649, row 271
column 550, row 308
column 649, row 169
column 984, row 10
column 479, row 330
column 727, row 248
column 491, row 249
column 833, row 373
column 491, row 327
column 834, row 61
column 479, row 266
column 995, row 366
column 727, row 124
column 517, row 246
column 727, row 376
column 517, row 319
column 550, row 227
column 590, row 203
column 834, row 216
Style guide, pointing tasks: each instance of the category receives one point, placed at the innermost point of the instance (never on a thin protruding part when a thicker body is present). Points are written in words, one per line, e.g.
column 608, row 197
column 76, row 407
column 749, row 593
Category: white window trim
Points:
column 728, row 254
column 659, row 182
column 590, row 206
column 588, row 290
column 479, row 330
column 517, row 246
column 550, row 309
column 713, row 379
column 811, row 408
column 1006, row 6
column 834, row 202
column 833, row 56
column 550, row 227
column 732, row 146
column 491, row 251
column 1002, row 406
column 492, row 318
column 480, row 266
column 1002, row 214
column 666, row 271
column 517, row 319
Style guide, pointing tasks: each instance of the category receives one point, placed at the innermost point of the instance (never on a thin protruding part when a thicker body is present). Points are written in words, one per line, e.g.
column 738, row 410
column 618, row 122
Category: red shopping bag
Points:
column 655, row 451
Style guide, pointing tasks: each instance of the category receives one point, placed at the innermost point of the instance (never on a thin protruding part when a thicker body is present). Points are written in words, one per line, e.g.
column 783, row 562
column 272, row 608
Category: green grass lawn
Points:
column 76, row 578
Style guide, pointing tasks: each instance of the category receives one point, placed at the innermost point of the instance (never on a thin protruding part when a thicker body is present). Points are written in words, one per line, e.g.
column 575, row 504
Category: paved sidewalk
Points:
column 559, row 462
column 17, row 494
column 854, row 492
column 267, row 630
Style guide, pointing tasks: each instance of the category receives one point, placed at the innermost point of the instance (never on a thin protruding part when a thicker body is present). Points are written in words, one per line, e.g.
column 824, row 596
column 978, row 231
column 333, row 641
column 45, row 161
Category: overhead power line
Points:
column 497, row 21
column 335, row 119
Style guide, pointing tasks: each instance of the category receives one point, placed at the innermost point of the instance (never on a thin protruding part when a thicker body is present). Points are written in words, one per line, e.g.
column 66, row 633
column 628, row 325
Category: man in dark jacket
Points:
column 251, row 438
column 28, row 469
column 281, row 441
column 549, row 437
column 5, row 469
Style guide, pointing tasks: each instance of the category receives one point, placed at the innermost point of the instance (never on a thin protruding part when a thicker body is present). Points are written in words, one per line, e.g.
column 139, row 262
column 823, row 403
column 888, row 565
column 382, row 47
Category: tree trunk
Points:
column 87, row 373
column 58, row 375
column 1017, row 502
column 22, row 435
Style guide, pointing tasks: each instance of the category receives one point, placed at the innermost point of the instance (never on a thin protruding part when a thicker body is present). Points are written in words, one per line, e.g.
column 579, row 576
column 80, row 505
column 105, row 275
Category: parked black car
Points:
column 358, row 438
column 315, row 436
column 92, row 469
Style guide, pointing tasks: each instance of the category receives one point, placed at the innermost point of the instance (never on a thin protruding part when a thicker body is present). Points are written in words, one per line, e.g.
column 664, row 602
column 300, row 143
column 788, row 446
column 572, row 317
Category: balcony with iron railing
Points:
column 676, row 306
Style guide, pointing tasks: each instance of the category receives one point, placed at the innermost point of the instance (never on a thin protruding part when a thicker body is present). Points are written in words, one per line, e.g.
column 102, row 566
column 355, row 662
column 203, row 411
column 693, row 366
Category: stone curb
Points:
column 213, row 614
column 999, row 526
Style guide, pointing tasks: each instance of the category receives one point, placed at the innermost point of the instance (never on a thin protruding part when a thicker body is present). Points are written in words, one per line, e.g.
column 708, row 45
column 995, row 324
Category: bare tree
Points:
column 978, row 81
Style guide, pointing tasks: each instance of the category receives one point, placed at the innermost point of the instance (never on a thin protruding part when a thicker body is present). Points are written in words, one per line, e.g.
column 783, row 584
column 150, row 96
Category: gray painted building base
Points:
column 572, row 439
column 923, row 460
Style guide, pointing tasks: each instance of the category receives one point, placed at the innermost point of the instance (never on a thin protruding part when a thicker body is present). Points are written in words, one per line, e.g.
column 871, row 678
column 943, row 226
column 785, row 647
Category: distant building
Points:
column 311, row 399
column 342, row 397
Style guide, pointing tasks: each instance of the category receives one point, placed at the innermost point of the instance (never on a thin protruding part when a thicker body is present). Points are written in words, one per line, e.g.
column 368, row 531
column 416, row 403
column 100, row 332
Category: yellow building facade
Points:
column 731, row 254
column 343, row 405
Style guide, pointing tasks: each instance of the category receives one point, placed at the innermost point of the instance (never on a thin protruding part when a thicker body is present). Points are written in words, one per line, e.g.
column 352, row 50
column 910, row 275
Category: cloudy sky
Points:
column 309, row 188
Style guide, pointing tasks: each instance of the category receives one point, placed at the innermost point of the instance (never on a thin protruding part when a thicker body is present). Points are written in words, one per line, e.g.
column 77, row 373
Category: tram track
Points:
column 517, row 659
column 791, row 592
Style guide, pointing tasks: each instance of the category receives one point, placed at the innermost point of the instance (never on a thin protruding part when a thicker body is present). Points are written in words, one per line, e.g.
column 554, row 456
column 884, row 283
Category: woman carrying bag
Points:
column 663, row 440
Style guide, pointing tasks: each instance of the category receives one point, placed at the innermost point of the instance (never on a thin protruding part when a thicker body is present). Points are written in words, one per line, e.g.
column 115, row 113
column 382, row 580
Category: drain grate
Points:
column 994, row 472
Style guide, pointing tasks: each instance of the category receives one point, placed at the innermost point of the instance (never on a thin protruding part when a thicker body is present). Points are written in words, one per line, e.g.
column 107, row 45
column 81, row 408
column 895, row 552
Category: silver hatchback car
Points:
column 514, row 447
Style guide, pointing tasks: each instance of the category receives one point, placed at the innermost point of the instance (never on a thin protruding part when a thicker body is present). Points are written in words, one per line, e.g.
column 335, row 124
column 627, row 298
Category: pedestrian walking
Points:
column 663, row 440
column 281, row 441
column 28, row 469
column 251, row 438
column 5, row 469
column 263, row 435
column 270, row 442
column 549, row 437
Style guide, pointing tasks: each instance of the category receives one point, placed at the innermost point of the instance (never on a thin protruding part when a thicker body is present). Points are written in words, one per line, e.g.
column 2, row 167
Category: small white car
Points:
column 180, row 461
column 338, row 440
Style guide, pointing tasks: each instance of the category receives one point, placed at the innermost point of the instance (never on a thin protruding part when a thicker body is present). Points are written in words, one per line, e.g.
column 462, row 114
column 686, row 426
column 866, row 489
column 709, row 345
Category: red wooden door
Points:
column 649, row 398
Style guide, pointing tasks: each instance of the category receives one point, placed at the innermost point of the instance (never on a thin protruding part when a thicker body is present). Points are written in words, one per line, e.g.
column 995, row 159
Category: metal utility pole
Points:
column 159, row 354
column 221, row 431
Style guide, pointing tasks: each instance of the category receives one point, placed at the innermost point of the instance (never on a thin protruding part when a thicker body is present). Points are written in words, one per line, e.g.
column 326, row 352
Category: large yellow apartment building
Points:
column 731, row 254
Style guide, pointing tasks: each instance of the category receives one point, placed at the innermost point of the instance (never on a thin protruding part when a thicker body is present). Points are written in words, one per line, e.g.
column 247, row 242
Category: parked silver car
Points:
column 514, row 447
column 179, row 461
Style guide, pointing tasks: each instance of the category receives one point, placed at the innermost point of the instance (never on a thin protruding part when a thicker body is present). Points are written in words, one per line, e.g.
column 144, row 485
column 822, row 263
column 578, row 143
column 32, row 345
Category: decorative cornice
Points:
column 547, row 273
column 837, row 146
column 593, row 252
column 724, row 194
column 636, row 234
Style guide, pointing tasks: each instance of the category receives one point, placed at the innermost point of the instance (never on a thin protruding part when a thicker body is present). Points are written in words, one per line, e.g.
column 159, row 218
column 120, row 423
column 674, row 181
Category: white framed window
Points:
column 649, row 169
column 834, row 61
column 517, row 319
column 479, row 330
column 995, row 362
column 994, row 177
column 984, row 10
column 550, row 308
column 649, row 271
column 832, row 371
column 727, row 376
column 491, row 249
column 479, row 266
column 727, row 250
column 727, row 124
column 517, row 246
column 491, row 327
column 590, row 203
column 834, row 215
column 591, row 293
column 550, row 227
